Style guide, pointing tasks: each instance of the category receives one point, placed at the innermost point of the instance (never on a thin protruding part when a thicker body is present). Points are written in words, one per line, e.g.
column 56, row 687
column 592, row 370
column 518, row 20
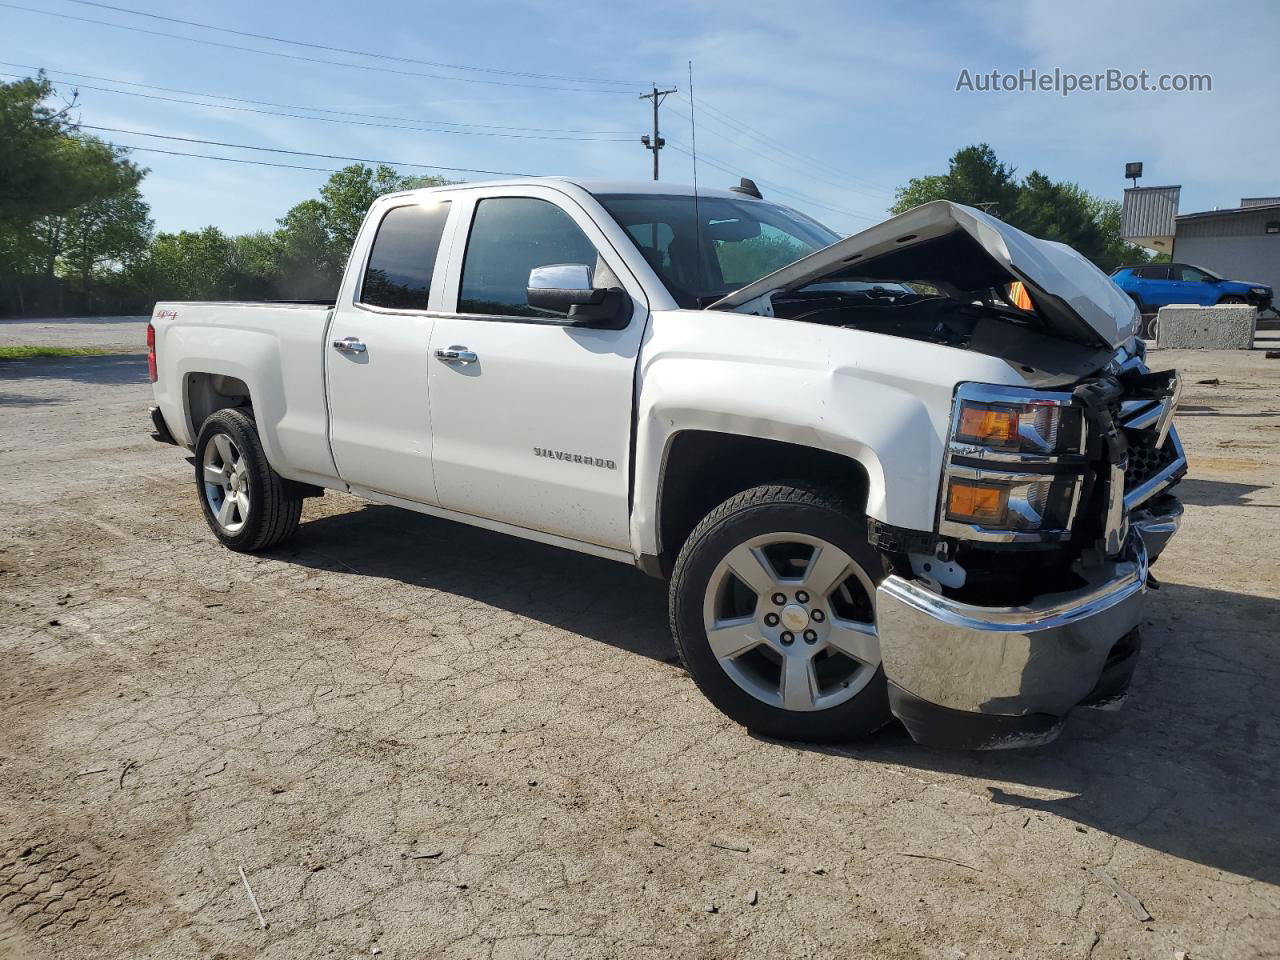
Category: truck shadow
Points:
column 1219, row 493
column 1190, row 767
column 599, row 599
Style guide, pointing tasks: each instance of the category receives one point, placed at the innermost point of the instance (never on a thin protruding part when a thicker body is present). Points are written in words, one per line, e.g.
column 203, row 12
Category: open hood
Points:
column 961, row 250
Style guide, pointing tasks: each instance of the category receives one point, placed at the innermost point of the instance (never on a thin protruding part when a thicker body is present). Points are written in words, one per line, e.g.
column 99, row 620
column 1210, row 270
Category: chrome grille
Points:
column 1151, row 469
column 1146, row 460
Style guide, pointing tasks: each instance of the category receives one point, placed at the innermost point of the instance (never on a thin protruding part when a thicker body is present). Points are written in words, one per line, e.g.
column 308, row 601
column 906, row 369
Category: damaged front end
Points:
column 1025, row 601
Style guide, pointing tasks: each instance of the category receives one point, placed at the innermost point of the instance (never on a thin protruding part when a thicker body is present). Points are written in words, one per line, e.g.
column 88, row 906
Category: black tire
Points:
column 1232, row 300
column 754, row 513
column 275, row 504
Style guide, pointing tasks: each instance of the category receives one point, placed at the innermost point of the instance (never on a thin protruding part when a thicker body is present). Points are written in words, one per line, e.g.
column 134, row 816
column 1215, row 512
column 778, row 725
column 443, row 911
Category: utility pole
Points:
column 655, row 143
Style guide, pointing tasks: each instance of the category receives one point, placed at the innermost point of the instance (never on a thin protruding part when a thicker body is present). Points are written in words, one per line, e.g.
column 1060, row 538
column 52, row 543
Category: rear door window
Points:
column 403, row 258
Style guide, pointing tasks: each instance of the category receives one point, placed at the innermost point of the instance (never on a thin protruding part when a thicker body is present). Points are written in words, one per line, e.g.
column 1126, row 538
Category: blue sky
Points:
column 834, row 103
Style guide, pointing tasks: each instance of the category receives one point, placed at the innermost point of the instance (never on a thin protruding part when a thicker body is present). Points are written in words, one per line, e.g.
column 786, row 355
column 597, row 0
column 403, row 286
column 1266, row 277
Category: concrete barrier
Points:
column 1188, row 327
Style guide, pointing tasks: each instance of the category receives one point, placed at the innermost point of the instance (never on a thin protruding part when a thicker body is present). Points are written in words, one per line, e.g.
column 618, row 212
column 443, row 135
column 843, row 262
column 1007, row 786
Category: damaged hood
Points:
column 960, row 249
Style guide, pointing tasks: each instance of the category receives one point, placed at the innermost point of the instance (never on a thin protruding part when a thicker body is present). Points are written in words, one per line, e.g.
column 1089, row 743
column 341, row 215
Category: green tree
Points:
column 190, row 265
column 316, row 235
column 105, row 235
column 975, row 177
column 61, row 192
column 1054, row 210
column 1058, row 211
column 255, row 266
column 46, row 165
column 310, row 259
column 75, row 232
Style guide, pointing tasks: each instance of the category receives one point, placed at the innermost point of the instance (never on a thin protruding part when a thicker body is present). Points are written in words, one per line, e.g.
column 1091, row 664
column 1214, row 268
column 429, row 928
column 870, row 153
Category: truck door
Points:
column 531, row 416
column 376, row 351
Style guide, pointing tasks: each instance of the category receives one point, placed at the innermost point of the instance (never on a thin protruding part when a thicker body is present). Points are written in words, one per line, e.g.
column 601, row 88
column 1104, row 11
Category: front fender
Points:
column 882, row 401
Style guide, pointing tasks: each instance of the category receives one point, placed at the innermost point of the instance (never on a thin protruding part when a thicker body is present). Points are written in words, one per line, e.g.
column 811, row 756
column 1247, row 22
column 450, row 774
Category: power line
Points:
column 207, row 156
column 757, row 147
column 794, row 153
column 293, row 106
column 294, row 56
column 741, row 127
column 303, row 153
column 774, row 187
column 360, row 123
column 358, row 53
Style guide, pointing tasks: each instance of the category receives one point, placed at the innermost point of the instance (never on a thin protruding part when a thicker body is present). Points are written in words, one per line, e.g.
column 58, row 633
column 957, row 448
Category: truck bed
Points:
column 277, row 345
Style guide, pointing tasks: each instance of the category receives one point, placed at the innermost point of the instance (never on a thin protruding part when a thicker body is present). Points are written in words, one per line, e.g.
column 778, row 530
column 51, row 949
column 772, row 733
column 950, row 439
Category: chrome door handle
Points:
column 456, row 355
column 349, row 345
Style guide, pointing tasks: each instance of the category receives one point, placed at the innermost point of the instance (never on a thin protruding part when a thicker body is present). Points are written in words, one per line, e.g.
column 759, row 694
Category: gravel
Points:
column 355, row 718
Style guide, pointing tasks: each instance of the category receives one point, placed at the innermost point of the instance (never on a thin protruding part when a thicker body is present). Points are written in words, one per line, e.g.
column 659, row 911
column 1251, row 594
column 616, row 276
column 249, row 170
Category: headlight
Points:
column 1014, row 465
column 1259, row 291
column 991, row 420
column 1013, row 502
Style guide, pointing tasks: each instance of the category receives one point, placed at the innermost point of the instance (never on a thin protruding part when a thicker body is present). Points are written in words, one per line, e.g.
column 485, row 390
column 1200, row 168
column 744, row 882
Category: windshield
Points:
column 705, row 252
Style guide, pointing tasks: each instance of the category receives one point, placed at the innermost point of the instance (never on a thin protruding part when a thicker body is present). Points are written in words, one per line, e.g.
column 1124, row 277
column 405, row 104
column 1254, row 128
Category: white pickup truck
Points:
column 879, row 486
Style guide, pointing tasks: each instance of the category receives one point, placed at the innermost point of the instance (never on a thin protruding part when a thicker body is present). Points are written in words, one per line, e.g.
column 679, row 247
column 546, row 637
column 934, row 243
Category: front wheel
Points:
column 1232, row 300
column 247, row 505
column 773, row 611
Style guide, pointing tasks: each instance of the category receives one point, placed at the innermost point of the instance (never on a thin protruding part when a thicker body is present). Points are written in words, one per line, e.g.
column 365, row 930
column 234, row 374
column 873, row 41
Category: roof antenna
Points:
column 693, row 143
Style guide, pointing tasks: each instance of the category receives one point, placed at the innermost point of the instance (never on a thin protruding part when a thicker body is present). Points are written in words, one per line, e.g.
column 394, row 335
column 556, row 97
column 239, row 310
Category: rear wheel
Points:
column 773, row 610
column 247, row 505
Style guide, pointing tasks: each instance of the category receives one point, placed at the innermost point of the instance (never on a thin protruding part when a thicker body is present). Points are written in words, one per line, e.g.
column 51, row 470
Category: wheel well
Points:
column 207, row 393
column 703, row 468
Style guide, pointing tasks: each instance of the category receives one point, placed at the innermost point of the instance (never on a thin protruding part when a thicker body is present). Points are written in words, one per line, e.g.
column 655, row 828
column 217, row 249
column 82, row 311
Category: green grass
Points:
column 28, row 353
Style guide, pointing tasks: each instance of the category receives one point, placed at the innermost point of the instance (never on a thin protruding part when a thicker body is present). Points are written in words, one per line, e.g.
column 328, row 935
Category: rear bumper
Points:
column 994, row 677
column 160, row 432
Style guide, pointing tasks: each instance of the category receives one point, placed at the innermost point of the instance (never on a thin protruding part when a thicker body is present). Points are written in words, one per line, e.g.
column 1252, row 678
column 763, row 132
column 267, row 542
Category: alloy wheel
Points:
column 791, row 619
column 226, row 482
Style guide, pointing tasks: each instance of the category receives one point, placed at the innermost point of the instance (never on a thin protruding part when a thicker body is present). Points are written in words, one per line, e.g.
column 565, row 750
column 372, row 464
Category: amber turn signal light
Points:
column 988, row 426
column 980, row 503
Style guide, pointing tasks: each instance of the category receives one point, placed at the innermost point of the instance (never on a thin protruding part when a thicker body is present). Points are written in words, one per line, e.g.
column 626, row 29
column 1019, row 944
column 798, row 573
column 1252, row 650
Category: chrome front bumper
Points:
column 952, row 665
column 1156, row 526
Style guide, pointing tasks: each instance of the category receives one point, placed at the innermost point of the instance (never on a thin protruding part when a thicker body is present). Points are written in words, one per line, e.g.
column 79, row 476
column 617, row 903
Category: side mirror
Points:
column 566, row 288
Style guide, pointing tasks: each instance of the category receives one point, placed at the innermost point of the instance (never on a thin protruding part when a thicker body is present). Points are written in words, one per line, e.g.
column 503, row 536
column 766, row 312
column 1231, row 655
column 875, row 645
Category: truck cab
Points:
column 877, row 486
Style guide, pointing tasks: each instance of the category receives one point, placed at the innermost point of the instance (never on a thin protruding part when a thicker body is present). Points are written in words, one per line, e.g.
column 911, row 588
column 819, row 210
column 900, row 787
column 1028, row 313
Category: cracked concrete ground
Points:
column 426, row 740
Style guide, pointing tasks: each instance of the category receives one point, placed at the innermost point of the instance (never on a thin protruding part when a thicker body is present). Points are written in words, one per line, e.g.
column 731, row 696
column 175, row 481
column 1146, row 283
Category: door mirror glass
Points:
column 565, row 288
column 560, row 276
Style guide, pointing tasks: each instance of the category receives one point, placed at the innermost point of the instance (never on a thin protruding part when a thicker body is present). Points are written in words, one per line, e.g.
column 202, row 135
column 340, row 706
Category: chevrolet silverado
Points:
column 878, row 485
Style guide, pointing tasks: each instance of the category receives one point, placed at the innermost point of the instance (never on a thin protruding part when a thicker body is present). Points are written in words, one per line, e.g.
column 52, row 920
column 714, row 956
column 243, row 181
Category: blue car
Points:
column 1156, row 285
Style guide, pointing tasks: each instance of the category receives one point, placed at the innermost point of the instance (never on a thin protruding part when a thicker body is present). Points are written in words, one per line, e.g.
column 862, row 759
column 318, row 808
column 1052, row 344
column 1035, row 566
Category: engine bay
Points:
column 983, row 325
